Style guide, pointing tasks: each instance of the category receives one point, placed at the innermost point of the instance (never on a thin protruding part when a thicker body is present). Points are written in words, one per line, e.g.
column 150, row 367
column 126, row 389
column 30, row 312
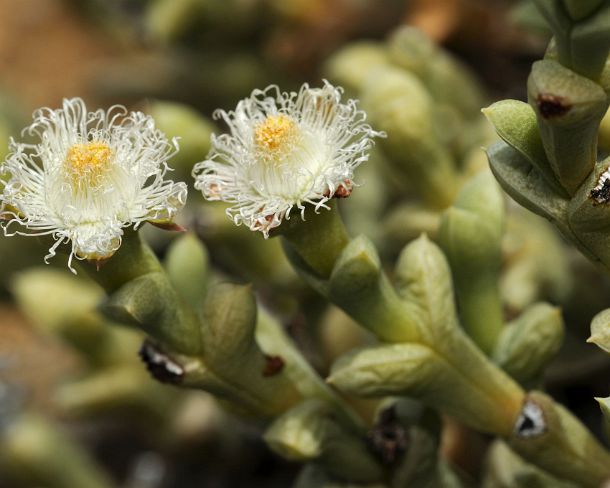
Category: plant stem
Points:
column 319, row 239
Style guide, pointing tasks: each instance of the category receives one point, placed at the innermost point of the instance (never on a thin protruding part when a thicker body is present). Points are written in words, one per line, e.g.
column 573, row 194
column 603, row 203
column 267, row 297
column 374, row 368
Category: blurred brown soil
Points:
column 30, row 361
column 47, row 51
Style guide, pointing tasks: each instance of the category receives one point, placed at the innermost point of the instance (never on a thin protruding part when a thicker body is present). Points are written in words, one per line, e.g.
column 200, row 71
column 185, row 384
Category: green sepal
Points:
column 133, row 259
column 600, row 330
column 308, row 432
column 515, row 122
column 318, row 237
column 188, row 268
column 569, row 109
column 150, row 303
column 528, row 343
column 553, row 439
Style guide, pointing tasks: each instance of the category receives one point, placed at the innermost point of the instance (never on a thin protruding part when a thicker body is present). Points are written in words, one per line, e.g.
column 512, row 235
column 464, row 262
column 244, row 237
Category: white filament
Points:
column 43, row 195
column 318, row 152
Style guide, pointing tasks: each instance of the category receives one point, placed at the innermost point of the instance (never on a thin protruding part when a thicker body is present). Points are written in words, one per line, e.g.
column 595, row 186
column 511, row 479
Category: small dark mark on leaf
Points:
column 551, row 106
column 160, row 365
column 388, row 438
column 273, row 365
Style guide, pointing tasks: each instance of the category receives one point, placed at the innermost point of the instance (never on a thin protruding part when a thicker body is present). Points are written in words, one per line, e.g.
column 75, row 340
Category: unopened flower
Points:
column 284, row 150
column 86, row 176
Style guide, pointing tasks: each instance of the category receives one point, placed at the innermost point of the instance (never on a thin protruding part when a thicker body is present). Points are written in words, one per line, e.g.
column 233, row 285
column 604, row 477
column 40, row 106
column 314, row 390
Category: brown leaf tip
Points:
column 388, row 438
column 160, row 365
column 273, row 365
column 551, row 106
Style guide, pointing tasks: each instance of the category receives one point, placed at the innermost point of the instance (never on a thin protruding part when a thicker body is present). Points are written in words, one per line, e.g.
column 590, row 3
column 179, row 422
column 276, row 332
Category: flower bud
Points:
column 187, row 268
column 351, row 66
column 448, row 80
column 569, row 108
column 192, row 129
column 308, row 432
column 168, row 20
column 399, row 104
column 56, row 302
column 528, row 343
column 66, row 306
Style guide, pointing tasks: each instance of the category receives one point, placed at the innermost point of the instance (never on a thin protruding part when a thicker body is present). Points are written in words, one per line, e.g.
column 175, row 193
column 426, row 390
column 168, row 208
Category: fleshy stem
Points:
column 150, row 303
column 273, row 338
column 180, row 333
column 564, row 440
column 394, row 321
column 133, row 259
column 319, row 239
column 481, row 313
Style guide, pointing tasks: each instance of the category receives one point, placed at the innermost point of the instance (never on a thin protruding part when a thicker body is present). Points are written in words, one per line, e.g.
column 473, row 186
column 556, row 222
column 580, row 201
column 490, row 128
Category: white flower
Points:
column 284, row 150
column 86, row 176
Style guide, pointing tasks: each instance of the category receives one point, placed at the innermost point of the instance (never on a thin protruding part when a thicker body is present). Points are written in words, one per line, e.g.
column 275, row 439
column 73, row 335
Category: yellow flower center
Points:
column 275, row 135
column 88, row 161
